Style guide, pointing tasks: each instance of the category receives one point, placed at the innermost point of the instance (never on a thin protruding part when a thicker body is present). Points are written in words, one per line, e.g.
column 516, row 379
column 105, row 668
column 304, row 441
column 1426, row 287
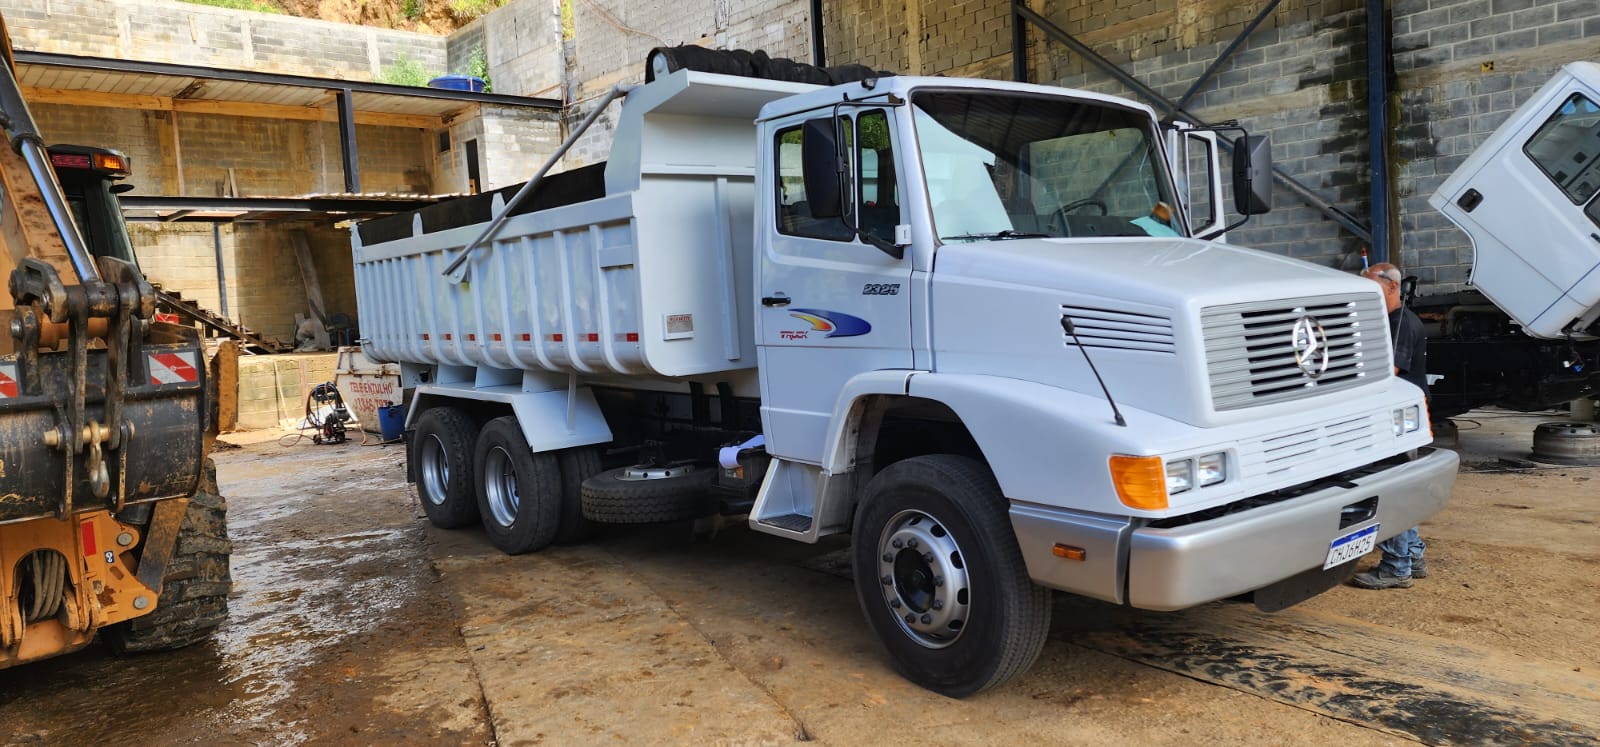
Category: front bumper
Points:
column 1178, row 567
column 1170, row 569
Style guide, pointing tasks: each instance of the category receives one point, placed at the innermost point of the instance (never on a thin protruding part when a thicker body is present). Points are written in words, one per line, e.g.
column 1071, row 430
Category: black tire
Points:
column 947, row 508
column 519, row 492
column 195, row 586
column 614, row 497
column 577, row 464
column 442, row 451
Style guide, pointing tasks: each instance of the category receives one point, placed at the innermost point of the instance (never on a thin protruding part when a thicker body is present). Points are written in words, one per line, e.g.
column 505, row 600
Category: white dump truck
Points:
column 974, row 324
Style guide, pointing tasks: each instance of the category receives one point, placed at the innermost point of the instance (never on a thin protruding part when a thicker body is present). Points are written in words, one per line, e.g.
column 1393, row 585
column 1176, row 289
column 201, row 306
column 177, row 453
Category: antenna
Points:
column 1066, row 326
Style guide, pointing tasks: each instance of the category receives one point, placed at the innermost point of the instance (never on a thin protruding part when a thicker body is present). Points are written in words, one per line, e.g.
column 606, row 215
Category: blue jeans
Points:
column 1400, row 551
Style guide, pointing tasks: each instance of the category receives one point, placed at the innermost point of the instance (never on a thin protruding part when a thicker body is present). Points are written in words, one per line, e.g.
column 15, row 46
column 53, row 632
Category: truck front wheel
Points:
column 441, row 453
column 940, row 578
column 519, row 492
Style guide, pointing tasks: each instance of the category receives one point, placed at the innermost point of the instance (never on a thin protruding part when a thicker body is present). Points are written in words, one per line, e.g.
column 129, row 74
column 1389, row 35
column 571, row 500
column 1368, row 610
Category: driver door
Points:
column 832, row 306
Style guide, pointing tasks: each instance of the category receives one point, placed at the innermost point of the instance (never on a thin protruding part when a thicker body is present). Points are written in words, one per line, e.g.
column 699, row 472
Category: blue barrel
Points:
column 458, row 83
column 392, row 421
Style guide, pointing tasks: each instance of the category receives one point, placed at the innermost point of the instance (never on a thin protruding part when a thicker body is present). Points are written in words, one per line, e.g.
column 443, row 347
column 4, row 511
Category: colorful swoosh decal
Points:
column 834, row 323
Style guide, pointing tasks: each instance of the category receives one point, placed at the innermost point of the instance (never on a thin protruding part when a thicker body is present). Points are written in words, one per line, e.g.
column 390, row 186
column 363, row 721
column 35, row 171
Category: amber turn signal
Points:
column 1141, row 481
column 1068, row 551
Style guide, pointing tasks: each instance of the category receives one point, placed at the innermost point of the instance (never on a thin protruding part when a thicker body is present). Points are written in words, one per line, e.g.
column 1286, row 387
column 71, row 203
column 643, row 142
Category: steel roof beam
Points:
column 107, row 64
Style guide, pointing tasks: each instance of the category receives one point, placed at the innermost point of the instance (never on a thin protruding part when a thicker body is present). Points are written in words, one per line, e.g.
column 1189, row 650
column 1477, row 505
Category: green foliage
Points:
column 478, row 67
column 470, row 9
column 259, row 6
column 405, row 72
column 411, row 9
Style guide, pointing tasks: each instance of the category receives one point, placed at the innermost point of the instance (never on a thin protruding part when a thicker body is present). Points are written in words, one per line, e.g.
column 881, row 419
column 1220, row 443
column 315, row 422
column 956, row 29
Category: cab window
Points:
column 794, row 212
column 1567, row 148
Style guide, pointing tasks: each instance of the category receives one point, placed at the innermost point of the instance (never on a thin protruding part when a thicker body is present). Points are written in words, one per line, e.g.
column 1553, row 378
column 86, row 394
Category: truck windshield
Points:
column 1006, row 165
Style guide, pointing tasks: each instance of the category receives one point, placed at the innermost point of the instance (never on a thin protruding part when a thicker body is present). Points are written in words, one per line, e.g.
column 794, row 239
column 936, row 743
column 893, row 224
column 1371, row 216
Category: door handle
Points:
column 775, row 300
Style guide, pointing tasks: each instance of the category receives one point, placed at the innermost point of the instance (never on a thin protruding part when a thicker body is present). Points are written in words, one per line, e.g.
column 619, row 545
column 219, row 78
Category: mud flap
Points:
column 1301, row 586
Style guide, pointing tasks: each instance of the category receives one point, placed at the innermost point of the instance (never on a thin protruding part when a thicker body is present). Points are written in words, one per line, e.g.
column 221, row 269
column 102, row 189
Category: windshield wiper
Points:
column 1006, row 234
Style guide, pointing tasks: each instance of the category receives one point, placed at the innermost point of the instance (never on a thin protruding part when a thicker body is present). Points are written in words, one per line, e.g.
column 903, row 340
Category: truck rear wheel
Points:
column 577, row 464
column 441, row 451
column 195, row 587
column 519, row 492
column 940, row 578
column 646, row 494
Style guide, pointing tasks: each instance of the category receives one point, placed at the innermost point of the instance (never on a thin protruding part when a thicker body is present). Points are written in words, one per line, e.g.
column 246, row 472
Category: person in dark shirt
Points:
column 1402, row 553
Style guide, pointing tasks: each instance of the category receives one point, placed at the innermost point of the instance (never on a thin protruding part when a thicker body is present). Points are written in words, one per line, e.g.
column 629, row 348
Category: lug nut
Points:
column 888, row 557
column 926, row 619
column 910, row 617
column 895, row 603
column 938, row 580
column 898, row 543
column 912, row 543
column 887, row 580
column 938, row 604
column 927, row 557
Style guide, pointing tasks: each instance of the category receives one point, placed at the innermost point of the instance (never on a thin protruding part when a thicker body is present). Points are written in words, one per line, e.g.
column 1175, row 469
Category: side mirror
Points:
column 819, row 165
column 1408, row 289
column 1252, row 174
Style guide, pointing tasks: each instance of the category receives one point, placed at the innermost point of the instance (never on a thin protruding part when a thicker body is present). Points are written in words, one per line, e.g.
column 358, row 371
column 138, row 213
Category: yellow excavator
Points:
column 110, row 521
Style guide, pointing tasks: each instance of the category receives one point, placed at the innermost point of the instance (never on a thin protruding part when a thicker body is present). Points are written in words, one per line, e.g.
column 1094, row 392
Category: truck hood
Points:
column 1173, row 273
column 997, row 309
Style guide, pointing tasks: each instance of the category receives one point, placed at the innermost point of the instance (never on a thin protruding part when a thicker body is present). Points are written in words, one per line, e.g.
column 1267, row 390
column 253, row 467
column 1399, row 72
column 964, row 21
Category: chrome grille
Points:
column 1121, row 330
column 1250, row 353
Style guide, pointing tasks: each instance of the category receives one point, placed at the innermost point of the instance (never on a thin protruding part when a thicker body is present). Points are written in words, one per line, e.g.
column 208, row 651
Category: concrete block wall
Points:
column 186, row 33
column 1300, row 78
column 612, row 37
column 1462, row 67
column 268, row 157
column 261, row 275
column 522, row 43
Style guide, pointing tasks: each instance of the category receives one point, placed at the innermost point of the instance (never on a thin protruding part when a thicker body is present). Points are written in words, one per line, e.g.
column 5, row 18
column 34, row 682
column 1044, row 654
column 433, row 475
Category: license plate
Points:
column 1351, row 546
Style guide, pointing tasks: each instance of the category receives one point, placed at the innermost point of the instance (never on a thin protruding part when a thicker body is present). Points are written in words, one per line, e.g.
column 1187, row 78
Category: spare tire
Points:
column 645, row 494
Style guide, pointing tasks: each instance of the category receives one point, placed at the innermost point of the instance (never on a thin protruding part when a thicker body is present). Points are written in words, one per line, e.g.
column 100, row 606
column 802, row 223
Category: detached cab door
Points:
column 832, row 306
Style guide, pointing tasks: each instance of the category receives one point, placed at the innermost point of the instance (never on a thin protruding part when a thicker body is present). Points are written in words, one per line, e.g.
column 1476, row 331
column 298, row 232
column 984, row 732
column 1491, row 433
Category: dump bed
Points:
column 654, row 276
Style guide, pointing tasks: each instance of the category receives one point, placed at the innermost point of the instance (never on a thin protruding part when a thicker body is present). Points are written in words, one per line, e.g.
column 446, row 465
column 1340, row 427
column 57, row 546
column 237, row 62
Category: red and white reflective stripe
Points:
column 162, row 316
column 8, row 380
column 172, row 368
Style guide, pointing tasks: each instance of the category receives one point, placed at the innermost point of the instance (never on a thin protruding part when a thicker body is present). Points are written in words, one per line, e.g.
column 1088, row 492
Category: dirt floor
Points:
column 354, row 622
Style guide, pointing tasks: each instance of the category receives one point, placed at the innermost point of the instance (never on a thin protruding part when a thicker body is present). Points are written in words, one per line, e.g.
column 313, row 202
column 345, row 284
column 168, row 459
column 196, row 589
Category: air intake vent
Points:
column 1119, row 330
column 1250, row 348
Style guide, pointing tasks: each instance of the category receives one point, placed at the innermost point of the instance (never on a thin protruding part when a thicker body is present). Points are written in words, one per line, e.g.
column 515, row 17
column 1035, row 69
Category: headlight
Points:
column 1180, row 476
column 1212, row 468
column 1407, row 419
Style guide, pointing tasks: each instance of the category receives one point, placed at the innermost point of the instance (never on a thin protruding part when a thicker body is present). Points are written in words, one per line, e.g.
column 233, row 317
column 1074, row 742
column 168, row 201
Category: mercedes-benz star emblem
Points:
column 1310, row 347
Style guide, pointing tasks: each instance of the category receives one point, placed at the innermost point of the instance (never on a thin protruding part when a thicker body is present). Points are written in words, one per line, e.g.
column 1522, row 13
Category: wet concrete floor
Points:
column 353, row 622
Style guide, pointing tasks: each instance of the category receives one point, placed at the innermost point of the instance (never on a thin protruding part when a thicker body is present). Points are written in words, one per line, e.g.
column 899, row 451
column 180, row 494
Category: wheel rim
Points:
column 639, row 472
column 500, row 486
column 923, row 575
column 435, row 470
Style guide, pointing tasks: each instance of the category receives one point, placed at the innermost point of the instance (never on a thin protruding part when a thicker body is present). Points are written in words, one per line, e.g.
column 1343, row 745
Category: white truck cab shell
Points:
column 1526, row 198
